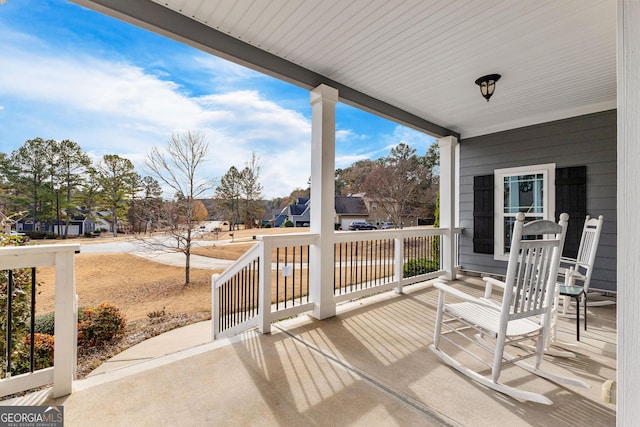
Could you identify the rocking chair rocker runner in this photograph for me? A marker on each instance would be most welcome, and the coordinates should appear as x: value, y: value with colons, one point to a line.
x: 522, y: 315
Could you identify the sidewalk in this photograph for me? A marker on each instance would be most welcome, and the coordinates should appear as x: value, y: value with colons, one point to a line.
x: 176, y: 259
x: 164, y: 344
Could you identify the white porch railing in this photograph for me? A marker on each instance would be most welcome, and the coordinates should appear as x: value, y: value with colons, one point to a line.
x: 274, y: 273
x: 66, y: 316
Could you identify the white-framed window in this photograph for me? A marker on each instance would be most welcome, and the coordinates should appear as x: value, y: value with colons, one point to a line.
x: 526, y: 189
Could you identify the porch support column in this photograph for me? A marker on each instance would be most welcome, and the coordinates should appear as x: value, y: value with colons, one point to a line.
x: 628, y: 54
x: 448, y: 149
x: 323, y: 149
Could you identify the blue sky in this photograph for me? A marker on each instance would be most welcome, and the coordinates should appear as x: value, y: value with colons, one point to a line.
x: 70, y: 73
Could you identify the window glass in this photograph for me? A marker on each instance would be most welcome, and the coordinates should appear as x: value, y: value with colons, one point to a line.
x: 528, y: 190
x: 524, y: 193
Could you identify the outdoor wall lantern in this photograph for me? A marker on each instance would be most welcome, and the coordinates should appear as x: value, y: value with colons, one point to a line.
x: 488, y: 84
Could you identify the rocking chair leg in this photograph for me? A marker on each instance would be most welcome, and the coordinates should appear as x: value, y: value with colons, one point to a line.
x: 585, y: 311
x: 577, y: 318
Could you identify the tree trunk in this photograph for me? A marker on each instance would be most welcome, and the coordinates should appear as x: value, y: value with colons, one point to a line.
x: 187, y: 267
x: 114, y: 223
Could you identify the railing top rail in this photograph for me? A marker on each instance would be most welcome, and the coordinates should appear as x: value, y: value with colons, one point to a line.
x: 349, y: 236
x: 33, y: 256
x: 19, y: 250
x: 239, y: 264
x: 280, y: 240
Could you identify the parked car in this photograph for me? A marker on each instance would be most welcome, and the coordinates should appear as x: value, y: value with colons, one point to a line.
x: 387, y: 225
x: 361, y: 225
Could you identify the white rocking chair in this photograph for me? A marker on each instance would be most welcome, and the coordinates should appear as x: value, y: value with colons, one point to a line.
x: 577, y: 272
x: 522, y: 315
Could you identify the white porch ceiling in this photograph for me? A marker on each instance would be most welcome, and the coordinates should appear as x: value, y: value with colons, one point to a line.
x: 557, y: 58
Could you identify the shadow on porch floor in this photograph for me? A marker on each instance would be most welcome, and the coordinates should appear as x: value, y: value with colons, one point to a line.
x: 369, y: 365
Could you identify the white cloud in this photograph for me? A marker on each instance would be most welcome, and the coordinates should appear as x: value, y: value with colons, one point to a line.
x: 418, y: 140
x: 347, y: 160
x: 114, y: 107
x: 223, y: 72
x: 349, y: 135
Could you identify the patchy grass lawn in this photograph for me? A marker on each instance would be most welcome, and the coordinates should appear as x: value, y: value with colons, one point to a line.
x: 136, y: 285
x: 151, y: 295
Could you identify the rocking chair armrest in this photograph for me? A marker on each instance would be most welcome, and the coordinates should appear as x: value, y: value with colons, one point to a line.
x: 571, y: 276
x: 572, y: 262
x: 464, y: 296
x: 490, y: 281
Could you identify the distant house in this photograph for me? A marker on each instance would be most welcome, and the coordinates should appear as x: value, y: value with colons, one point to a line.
x: 299, y: 213
x: 26, y: 224
x: 379, y: 210
x: 78, y: 225
x: 349, y: 209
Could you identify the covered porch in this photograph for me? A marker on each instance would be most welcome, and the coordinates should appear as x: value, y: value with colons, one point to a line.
x: 371, y: 363
x: 368, y: 365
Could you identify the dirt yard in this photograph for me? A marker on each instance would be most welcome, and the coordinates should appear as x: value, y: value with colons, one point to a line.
x: 136, y: 285
x: 140, y: 286
x: 151, y: 295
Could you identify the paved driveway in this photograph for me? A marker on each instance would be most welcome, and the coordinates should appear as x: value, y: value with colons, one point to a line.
x: 169, y: 256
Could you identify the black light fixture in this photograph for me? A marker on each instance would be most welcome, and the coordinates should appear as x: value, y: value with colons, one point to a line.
x: 488, y: 84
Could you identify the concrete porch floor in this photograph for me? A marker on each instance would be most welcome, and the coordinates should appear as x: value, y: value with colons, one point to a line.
x: 369, y: 365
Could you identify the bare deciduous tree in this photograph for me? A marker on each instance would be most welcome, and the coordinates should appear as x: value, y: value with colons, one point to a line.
x: 397, y: 182
x: 177, y: 168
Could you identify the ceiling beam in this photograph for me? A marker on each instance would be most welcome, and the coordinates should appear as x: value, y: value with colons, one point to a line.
x: 162, y: 20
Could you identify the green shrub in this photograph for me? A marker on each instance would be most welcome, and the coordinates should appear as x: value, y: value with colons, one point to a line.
x: 100, y: 325
x: 416, y: 267
x: 435, y: 245
x: 44, y: 345
x: 21, y: 311
x: 43, y: 353
x: 287, y: 223
x: 45, y: 323
x: 41, y: 235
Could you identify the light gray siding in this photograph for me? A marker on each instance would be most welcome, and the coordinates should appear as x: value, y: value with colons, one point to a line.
x: 586, y: 140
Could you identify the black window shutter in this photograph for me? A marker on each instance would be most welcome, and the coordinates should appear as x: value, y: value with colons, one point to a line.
x: 571, y: 197
x: 483, y: 214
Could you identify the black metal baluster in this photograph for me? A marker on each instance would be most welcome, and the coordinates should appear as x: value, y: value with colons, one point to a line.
x: 256, y: 295
x: 286, y: 284
x: 9, y: 319
x: 277, y: 278
x: 245, y: 291
x: 339, y: 270
x: 369, y: 258
x: 293, y: 276
x: 32, y: 360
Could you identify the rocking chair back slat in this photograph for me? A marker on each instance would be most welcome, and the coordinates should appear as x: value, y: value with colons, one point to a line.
x: 589, y: 241
x: 529, y: 271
